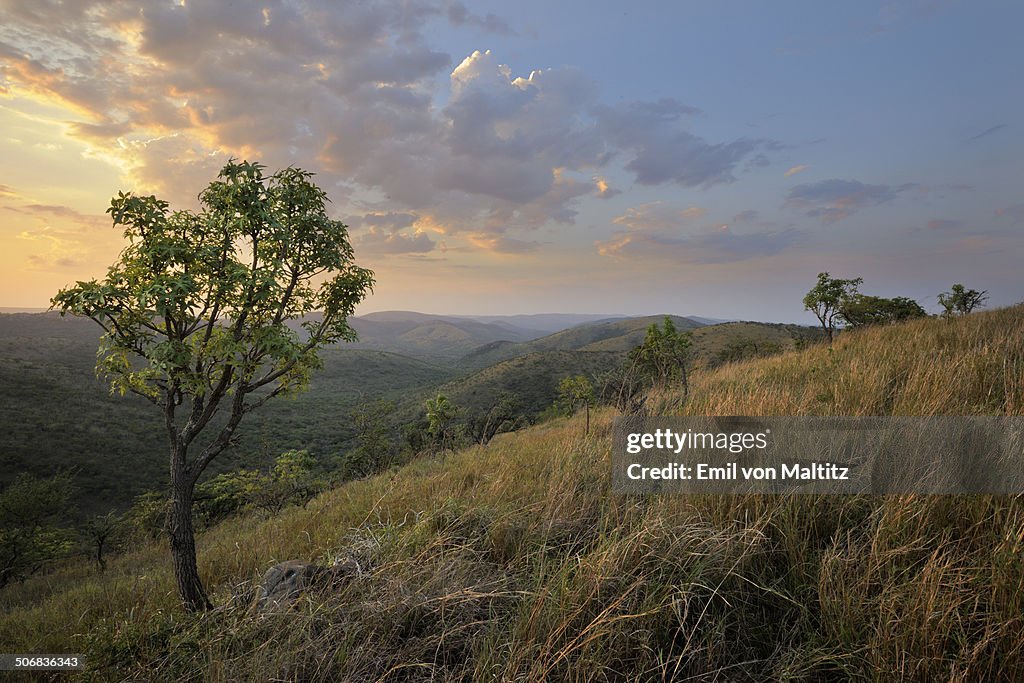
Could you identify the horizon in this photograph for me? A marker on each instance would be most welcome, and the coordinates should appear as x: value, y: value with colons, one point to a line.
x: 712, y: 161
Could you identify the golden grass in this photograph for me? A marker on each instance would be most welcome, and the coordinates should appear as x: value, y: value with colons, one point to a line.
x: 514, y: 562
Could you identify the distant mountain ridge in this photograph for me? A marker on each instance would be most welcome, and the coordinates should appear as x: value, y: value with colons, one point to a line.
x: 618, y: 335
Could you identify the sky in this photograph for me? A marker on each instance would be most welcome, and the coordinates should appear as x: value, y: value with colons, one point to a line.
x: 696, y: 158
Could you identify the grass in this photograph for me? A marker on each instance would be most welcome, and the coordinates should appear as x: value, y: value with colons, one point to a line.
x: 514, y: 562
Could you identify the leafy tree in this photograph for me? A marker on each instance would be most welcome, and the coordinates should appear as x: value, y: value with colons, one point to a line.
x: 146, y: 519
x: 827, y: 298
x: 227, y: 493
x: 505, y: 415
x: 624, y: 388
x: 573, y: 391
x: 196, y: 310
x: 292, y: 480
x: 742, y: 349
x: 99, y: 531
x: 441, y: 414
x: 376, y: 448
x: 664, y: 355
x: 961, y: 301
x: 31, y: 536
x: 861, y: 310
x: 416, y: 435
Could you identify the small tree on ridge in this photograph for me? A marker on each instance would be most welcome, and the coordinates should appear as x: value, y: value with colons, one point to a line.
x: 826, y: 300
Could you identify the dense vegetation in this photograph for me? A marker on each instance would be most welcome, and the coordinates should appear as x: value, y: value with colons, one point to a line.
x: 57, y: 414
x: 513, y: 561
x: 115, y: 444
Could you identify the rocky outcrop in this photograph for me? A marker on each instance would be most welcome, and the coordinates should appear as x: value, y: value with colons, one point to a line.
x: 286, y: 581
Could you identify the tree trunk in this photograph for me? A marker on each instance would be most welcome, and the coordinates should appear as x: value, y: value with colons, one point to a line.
x: 183, y: 545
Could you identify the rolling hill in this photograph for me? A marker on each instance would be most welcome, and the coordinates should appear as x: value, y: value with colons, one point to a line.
x: 514, y: 561
x: 56, y: 414
x: 442, y: 339
x: 614, y: 335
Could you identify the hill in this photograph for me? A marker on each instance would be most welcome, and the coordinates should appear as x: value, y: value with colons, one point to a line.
x: 57, y: 414
x: 532, y: 371
x: 616, y: 335
x: 532, y: 379
x: 439, y: 339
x: 514, y: 561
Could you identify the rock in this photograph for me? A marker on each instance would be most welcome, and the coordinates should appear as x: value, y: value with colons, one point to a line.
x: 284, y: 582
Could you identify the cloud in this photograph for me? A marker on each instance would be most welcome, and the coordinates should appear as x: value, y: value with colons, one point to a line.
x: 604, y: 190
x: 59, y: 248
x: 390, y: 220
x: 796, y: 169
x: 169, y: 91
x: 719, y: 245
x: 662, y: 151
x: 657, y: 231
x: 748, y: 216
x: 41, y: 211
x: 381, y: 233
x: 833, y: 200
x: 502, y: 245
x: 458, y: 15
x: 657, y: 216
x: 379, y: 241
x: 990, y: 131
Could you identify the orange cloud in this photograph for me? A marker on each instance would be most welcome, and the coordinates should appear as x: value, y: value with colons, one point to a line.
x: 799, y: 168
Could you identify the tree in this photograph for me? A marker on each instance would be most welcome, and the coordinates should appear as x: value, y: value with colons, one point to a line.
x: 146, y: 520
x: 572, y: 391
x: 961, y: 301
x: 664, y: 354
x: 826, y: 299
x: 376, y: 448
x: 31, y: 536
x: 196, y: 313
x: 291, y: 480
x: 99, y: 531
x: 441, y: 414
x: 225, y: 494
x: 505, y: 415
x: 861, y: 310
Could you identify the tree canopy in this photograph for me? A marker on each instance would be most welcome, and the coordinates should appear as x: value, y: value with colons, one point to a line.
x: 663, y: 356
x: 827, y: 298
x: 861, y: 310
x: 961, y: 300
x: 210, y: 314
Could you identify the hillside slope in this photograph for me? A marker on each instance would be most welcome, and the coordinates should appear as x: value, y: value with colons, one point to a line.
x: 514, y: 562
x: 432, y: 337
x: 626, y: 333
x: 56, y: 414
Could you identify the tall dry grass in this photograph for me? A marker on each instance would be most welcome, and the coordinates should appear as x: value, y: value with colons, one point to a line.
x: 514, y: 562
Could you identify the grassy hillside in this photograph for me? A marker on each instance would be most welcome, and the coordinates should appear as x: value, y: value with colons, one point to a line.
x: 533, y: 377
x: 514, y: 562
x: 57, y: 414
